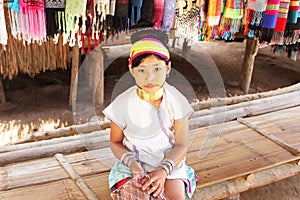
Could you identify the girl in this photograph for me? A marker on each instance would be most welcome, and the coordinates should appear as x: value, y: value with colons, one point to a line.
x: 150, y: 123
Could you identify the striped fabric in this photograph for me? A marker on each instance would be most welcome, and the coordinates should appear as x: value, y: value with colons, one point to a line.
x: 232, y: 18
x: 282, y: 15
x: 293, y: 11
x: 254, y: 16
x: 214, y: 12
x: 271, y: 13
x: 281, y: 22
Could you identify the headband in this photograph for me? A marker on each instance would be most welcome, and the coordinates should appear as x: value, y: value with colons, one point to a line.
x: 148, y: 46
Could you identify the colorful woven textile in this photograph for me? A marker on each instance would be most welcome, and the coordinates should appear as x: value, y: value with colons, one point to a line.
x: 293, y: 11
x: 214, y: 12
x: 74, y: 10
x: 271, y: 13
x: 158, y: 12
x: 254, y: 17
x: 231, y: 20
x: 33, y: 24
x: 3, y: 32
x: 168, y: 15
x: 187, y: 25
x: 281, y: 22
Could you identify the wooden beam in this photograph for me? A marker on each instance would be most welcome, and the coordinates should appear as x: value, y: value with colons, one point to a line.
x: 248, y: 63
x: 74, y: 74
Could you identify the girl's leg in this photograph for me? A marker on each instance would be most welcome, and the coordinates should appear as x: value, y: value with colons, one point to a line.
x: 175, y: 189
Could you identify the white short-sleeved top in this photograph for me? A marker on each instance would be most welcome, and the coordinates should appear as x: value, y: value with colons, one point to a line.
x: 148, y: 132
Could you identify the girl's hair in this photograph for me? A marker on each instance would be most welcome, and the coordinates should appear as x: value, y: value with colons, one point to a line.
x: 149, y: 33
x: 139, y: 59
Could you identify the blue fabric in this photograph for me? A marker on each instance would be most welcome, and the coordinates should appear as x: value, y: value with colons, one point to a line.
x: 15, y: 5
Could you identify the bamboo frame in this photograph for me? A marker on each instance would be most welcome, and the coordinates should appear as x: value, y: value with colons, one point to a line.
x: 75, y: 177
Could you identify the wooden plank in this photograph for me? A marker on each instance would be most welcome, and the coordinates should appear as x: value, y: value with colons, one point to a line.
x: 75, y: 177
x: 269, y: 136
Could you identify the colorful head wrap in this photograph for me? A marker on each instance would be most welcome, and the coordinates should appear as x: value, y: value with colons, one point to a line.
x: 148, y: 46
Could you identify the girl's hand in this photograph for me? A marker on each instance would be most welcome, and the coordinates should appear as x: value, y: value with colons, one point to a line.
x: 136, y: 170
x: 156, y: 181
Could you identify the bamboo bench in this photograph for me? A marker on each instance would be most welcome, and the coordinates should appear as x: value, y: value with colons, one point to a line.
x: 238, y: 160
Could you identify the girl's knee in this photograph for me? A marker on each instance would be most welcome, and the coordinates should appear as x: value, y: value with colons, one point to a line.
x: 175, y: 189
x: 175, y: 196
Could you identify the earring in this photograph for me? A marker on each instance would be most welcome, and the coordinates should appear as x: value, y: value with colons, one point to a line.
x: 168, y: 75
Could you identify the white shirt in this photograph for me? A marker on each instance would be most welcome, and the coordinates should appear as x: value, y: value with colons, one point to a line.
x: 148, y: 132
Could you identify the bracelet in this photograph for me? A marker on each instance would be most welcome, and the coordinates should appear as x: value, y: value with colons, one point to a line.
x: 127, y: 158
x: 165, y: 168
x: 168, y: 165
x: 169, y: 162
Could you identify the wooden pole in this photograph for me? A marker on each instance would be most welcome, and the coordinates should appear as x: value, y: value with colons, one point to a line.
x: 248, y: 63
x: 268, y: 135
x: 74, y: 74
x: 75, y: 177
x: 98, y: 78
x: 2, y: 94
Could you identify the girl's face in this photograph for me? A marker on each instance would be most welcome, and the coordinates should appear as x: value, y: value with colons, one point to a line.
x: 151, y: 73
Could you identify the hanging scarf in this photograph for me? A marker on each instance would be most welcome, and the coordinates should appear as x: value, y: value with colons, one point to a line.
x: 136, y: 8
x: 214, y: 12
x: 293, y: 11
x: 210, y: 19
x: 269, y: 23
x: 168, y: 15
x: 33, y: 25
x: 147, y: 11
x: 15, y: 20
x: 232, y: 18
x: 187, y: 24
x: 158, y: 12
x: 121, y: 15
x: 3, y: 32
x: 75, y: 9
x: 254, y: 17
x: 281, y: 22
x: 55, y: 17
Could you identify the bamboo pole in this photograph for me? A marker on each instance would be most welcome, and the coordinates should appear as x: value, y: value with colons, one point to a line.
x: 66, y: 147
x: 238, y: 185
x: 101, y: 135
x: 248, y: 63
x: 2, y: 94
x: 216, y: 102
x: 66, y: 131
x: 268, y: 135
x: 75, y: 177
x: 74, y: 74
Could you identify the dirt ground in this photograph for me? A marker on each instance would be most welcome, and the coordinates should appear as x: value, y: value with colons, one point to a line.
x: 42, y: 102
